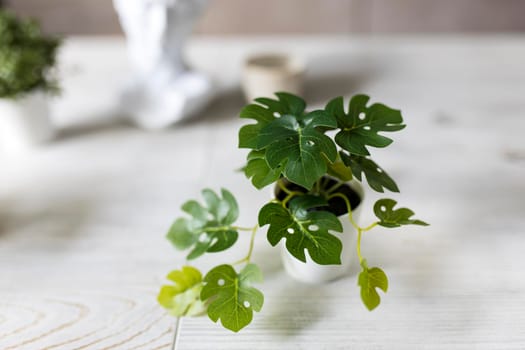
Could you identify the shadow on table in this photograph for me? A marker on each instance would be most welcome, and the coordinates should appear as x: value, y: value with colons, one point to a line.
x: 225, y: 106
x: 46, y: 223
x: 105, y: 122
x: 4, y: 211
x: 292, y: 315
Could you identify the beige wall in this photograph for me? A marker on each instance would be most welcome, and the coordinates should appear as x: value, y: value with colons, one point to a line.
x: 298, y: 16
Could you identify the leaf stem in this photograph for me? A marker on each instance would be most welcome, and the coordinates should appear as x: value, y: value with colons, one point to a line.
x: 358, y: 245
x: 248, y: 256
x: 318, y: 186
x: 348, y: 208
x: 334, y: 187
x: 242, y: 228
x: 287, y: 191
x: 225, y: 228
x: 288, y: 197
x: 359, y: 229
x: 368, y: 228
x: 283, y: 187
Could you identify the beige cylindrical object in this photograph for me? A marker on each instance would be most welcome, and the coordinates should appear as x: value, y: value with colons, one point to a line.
x: 266, y: 74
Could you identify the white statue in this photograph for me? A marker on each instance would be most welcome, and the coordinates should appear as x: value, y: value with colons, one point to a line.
x: 163, y: 89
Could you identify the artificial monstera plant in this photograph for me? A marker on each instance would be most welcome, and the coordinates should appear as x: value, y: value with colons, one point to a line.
x: 26, y: 57
x: 309, y: 156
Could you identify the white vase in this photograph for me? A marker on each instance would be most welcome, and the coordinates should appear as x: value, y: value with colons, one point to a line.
x: 162, y: 89
x: 310, y: 271
x: 24, y: 122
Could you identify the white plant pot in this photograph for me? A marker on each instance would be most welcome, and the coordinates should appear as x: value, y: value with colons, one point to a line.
x: 311, y: 272
x: 24, y: 122
x: 264, y: 75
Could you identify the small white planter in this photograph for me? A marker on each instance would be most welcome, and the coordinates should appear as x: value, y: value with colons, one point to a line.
x: 264, y: 75
x: 24, y: 122
x: 311, y: 272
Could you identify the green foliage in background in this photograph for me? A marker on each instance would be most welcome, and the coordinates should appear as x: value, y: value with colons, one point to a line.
x: 26, y: 57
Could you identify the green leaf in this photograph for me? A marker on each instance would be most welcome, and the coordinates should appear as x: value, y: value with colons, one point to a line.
x: 360, y: 127
x: 232, y: 299
x: 304, y: 229
x: 183, y: 297
x: 369, y: 280
x: 296, y: 143
x: 285, y: 104
x: 377, y: 178
x: 208, y: 229
x: 339, y: 170
x: 27, y: 57
x: 259, y: 171
x: 390, y: 217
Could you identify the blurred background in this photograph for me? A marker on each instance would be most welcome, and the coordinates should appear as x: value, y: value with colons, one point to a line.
x: 241, y: 17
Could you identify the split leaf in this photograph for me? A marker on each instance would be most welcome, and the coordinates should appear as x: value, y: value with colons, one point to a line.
x: 265, y: 112
x: 369, y: 280
x: 390, y: 217
x: 208, y: 229
x: 339, y: 170
x: 232, y: 298
x: 259, y: 171
x: 377, y: 178
x: 183, y: 297
x: 360, y: 127
x: 300, y: 146
x: 304, y: 229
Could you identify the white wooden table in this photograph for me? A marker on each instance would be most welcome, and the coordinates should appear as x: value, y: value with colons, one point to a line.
x: 82, y: 221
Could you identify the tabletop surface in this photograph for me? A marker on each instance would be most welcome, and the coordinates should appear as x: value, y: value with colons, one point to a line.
x: 83, y: 219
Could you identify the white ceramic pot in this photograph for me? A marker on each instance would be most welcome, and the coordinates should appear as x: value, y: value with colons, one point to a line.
x: 24, y: 122
x: 311, y: 272
x: 265, y: 75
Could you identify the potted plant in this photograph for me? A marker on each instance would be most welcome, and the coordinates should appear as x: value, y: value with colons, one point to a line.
x: 316, y: 161
x: 26, y: 59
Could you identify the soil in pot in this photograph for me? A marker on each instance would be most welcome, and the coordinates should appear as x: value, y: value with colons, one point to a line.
x: 335, y: 205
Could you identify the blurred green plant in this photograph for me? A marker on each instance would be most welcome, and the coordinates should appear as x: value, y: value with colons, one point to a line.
x: 26, y: 57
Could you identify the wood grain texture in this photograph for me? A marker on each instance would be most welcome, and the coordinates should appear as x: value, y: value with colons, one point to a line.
x: 82, y: 221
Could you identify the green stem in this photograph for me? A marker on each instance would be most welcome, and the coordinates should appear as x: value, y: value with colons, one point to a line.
x: 324, y: 182
x: 368, y: 228
x: 359, y: 229
x: 289, y: 194
x: 287, y: 191
x: 285, y: 201
x: 358, y: 245
x: 248, y: 256
x: 318, y: 186
x: 242, y: 228
x: 348, y: 208
x: 334, y: 187
x: 226, y: 228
